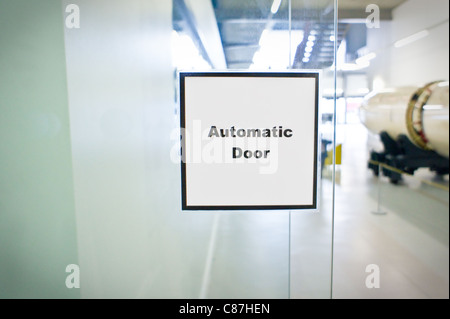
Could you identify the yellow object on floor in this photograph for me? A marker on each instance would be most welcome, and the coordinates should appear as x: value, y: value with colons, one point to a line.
x: 329, y: 159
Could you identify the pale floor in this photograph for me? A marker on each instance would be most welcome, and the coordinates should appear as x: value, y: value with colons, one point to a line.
x: 409, y: 241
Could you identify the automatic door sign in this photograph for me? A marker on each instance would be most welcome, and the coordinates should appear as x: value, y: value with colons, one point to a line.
x: 249, y: 140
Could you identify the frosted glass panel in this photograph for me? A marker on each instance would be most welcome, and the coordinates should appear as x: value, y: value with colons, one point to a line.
x: 131, y: 237
x: 37, y: 214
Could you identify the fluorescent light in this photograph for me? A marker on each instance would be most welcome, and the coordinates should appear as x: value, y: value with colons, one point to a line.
x: 433, y: 107
x: 307, y: 54
x: 305, y: 59
x: 310, y: 44
x: 332, y: 38
x: 185, y: 53
x: 308, y: 49
x: 263, y: 36
x: 366, y: 58
x: 275, y: 6
x: 363, y: 90
x: 387, y: 90
x: 412, y: 38
x: 312, y: 38
x: 272, y: 48
x: 352, y: 66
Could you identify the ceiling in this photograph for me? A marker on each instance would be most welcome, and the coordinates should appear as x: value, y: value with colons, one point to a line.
x: 240, y: 24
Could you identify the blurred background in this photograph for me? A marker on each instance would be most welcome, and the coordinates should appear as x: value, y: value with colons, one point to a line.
x: 90, y: 116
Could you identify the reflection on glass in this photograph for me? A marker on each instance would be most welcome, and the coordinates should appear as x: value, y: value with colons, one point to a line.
x: 275, y: 254
x: 185, y: 54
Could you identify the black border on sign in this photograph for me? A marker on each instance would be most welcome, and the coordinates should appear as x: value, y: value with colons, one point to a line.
x: 183, y: 75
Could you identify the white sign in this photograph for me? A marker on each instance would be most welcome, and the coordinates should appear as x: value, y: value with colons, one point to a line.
x: 249, y: 140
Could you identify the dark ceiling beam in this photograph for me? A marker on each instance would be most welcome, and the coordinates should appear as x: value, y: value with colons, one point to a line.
x: 297, y: 14
x: 301, y: 15
x: 360, y: 15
